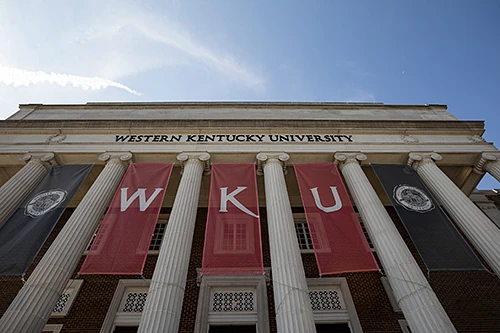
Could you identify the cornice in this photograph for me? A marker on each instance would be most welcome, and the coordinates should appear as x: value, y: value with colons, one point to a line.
x: 354, y: 126
x: 233, y: 104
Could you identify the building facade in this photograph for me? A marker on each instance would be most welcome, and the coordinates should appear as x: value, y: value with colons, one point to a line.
x: 449, y: 155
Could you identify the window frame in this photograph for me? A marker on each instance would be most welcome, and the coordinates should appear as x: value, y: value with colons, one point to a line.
x: 116, y: 318
x: 260, y: 317
x: 74, y: 286
x: 349, y: 315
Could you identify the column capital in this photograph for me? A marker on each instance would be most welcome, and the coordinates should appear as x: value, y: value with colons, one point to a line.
x: 200, y: 157
x: 346, y: 158
x: 263, y: 158
x: 485, y: 158
x: 418, y: 158
x: 47, y: 159
x: 115, y: 157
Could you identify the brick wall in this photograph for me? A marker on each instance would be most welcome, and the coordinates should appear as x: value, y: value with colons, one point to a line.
x: 471, y: 298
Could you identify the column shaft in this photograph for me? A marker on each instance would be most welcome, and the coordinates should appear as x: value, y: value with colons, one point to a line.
x: 478, y: 228
x: 417, y: 300
x: 162, y: 311
x: 23, y: 182
x: 493, y: 168
x: 291, y: 294
x: 34, y: 303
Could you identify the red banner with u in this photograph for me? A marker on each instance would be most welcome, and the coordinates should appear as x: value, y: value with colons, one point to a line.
x: 232, y: 236
x: 122, y: 242
x: 338, y: 240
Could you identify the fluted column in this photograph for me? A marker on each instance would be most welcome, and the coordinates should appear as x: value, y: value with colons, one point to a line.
x: 291, y: 295
x: 478, y: 228
x: 421, y: 308
x: 23, y: 182
x: 33, y: 305
x: 489, y: 163
x: 162, y: 311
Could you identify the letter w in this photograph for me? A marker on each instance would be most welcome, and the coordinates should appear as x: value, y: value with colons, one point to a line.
x: 141, y: 194
x: 317, y: 200
x: 224, y: 198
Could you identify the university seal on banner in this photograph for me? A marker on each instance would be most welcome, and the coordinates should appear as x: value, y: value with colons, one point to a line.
x: 45, y: 201
x: 412, y: 198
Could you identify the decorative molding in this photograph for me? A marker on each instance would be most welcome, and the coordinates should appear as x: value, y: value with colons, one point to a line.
x: 232, y: 282
x: 263, y: 158
x: 56, y: 138
x: 347, y: 313
x: 46, y: 159
x: 415, y: 159
x: 485, y: 158
x: 202, y: 157
x: 52, y: 328
x: 476, y: 138
x: 409, y: 139
x: 115, y: 157
x: 68, y: 297
x: 342, y: 158
x: 114, y: 307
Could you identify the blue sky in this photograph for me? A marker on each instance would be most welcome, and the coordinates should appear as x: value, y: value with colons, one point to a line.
x: 396, y: 52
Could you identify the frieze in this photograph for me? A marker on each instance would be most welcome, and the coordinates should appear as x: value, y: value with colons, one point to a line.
x: 236, y: 138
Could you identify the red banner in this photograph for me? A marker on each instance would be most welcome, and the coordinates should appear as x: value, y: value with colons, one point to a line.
x: 338, y: 240
x: 122, y: 242
x: 232, y: 236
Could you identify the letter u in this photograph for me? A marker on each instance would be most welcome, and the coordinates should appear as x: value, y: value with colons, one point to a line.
x: 334, y: 208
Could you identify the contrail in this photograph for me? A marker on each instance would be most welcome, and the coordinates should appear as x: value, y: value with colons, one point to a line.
x: 20, y: 77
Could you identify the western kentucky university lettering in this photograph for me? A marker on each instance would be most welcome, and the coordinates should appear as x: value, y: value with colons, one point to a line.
x: 338, y: 240
x: 122, y: 242
x: 232, y: 237
x: 238, y: 138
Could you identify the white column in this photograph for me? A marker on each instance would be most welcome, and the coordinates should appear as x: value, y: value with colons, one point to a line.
x: 291, y: 295
x: 34, y: 303
x: 23, y: 182
x: 489, y: 163
x: 478, y: 228
x: 162, y: 311
x: 421, y: 308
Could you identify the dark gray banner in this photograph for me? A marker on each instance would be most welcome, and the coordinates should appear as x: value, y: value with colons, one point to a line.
x: 24, y: 233
x: 434, y: 235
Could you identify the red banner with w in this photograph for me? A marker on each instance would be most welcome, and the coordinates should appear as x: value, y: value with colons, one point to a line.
x: 338, y: 240
x: 232, y: 236
x: 122, y: 242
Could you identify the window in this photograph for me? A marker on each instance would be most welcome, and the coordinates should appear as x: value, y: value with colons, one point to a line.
x: 158, y: 234
x: 67, y: 298
x: 232, y: 303
x: 156, y: 240
x: 234, y: 237
x: 304, y: 235
x: 332, y: 305
x: 125, y: 310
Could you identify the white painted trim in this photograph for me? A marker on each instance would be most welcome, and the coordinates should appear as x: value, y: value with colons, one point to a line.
x: 232, y: 282
x: 349, y: 315
x: 73, y: 288
x: 113, y: 317
x: 53, y: 328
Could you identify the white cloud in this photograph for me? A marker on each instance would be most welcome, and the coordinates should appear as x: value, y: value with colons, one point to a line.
x: 20, y: 77
x: 140, y: 27
x: 110, y: 40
